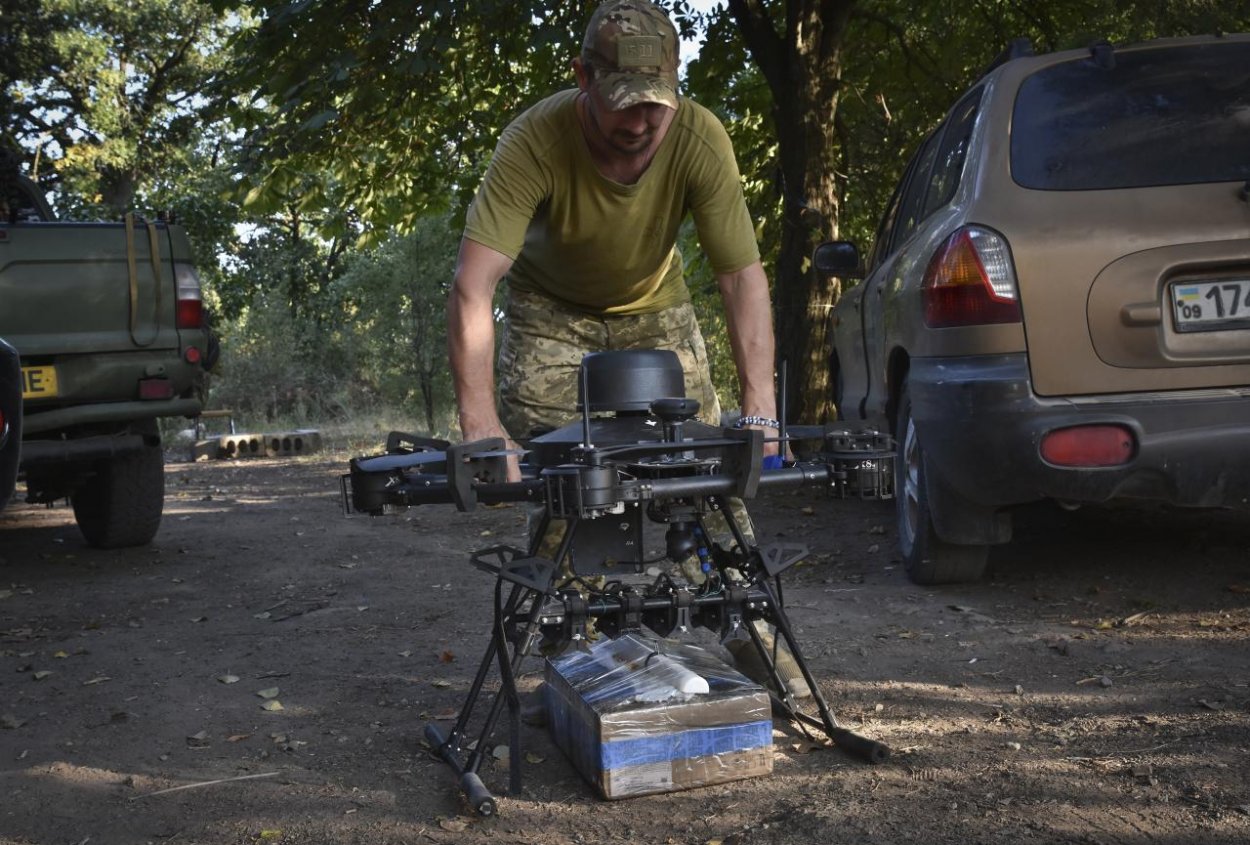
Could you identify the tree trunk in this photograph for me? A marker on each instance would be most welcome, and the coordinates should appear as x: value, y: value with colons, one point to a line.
x: 801, y: 58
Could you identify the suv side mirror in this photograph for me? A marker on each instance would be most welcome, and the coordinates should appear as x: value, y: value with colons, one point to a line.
x: 837, y: 258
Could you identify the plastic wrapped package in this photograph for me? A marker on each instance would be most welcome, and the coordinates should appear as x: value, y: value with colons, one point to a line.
x: 640, y: 715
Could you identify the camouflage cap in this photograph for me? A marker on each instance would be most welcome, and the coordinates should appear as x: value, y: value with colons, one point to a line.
x: 632, y: 47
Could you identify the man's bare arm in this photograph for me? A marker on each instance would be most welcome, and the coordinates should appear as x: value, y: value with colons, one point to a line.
x: 749, y: 317
x: 471, y: 338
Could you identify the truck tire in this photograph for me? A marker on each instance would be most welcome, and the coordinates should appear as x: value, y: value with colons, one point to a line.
x: 927, y: 558
x: 120, y: 504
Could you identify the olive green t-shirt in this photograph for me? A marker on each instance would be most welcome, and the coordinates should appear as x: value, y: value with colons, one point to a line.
x: 598, y: 246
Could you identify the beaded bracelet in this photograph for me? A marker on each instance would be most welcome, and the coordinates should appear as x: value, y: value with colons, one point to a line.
x: 743, y: 422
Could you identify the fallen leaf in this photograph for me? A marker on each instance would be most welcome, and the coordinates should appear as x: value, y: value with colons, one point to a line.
x: 99, y: 679
x: 446, y: 657
x: 454, y: 825
x: 272, y: 705
x: 268, y: 692
x: 268, y: 835
x: 1232, y: 588
x: 261, y: 615
x: 198, y: 740
x: 237, y: 737
x: 10, y: 722
x: 60, y: 655
x: 41, y: 674
x: 440, y: 684
x: 405, y: 653
x: 228, y: 679
x: 200, y: 619
x: 531, y: 757
x: 362, y: 608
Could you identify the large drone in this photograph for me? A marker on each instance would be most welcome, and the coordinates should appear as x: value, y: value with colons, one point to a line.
x: 636, y: 456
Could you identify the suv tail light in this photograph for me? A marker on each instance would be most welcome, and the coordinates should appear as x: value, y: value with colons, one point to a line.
x: 190, y: 313
x: 1102, y: 445
x: 971, y: 281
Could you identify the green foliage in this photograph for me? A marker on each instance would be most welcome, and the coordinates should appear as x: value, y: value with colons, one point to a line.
x: 394, y: 297
x: 278, y: 367
x: 111, y: 90
x: 316, y: 340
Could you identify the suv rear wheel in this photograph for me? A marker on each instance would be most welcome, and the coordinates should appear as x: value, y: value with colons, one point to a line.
x: 927, y: 558
x: 120, y: 504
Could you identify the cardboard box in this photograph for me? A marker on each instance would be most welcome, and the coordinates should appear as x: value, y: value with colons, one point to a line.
x: 629, y: 714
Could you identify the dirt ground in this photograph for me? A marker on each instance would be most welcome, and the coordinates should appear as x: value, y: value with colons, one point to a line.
x: 1094, y: 689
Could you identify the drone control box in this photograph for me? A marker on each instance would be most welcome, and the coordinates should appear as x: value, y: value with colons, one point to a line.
x: 639, y: 715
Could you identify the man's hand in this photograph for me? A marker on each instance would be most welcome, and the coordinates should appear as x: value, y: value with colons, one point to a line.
x: 497, y: 430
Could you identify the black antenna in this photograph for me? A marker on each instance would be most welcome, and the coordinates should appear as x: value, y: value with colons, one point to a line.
x: 585, y: 407
x: 781, y: 413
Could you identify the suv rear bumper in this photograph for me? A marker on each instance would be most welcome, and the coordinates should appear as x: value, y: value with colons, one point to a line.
x: 981, y: 425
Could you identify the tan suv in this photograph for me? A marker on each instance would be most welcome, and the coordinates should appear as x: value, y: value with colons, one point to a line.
x: 1057, y: 305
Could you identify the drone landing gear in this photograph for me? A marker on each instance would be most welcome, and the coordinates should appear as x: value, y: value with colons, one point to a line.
x: 743, y: 586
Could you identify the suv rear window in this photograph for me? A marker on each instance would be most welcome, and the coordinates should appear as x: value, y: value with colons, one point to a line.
x: 1162, y: 116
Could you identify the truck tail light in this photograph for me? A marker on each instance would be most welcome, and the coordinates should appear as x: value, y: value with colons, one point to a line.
x: 190, y: 307
x: 1089, y: 446
x: 970, y: 281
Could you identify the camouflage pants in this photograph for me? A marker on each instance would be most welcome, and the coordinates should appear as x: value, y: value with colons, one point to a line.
x: 543, y: 345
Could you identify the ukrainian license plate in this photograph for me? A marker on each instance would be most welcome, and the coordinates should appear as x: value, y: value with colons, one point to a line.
x: 38, y: 382
x: 1211, y: 306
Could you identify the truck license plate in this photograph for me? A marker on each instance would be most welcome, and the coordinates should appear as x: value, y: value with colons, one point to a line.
x: 1211, y: 306
x: 39, y: 382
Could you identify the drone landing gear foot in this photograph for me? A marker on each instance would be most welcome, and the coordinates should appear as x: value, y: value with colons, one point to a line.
x: 479, y: 797
x: 852, y: 743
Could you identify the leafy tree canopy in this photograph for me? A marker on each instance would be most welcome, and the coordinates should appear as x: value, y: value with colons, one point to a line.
x: 111, y: 91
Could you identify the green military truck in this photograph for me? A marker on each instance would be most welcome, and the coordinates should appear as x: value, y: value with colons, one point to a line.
x: 109, y: 325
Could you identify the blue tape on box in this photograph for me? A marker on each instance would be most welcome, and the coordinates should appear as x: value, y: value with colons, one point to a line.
x: 698, y: 742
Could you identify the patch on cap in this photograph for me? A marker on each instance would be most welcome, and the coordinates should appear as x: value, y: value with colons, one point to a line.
x: 632, y: 47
